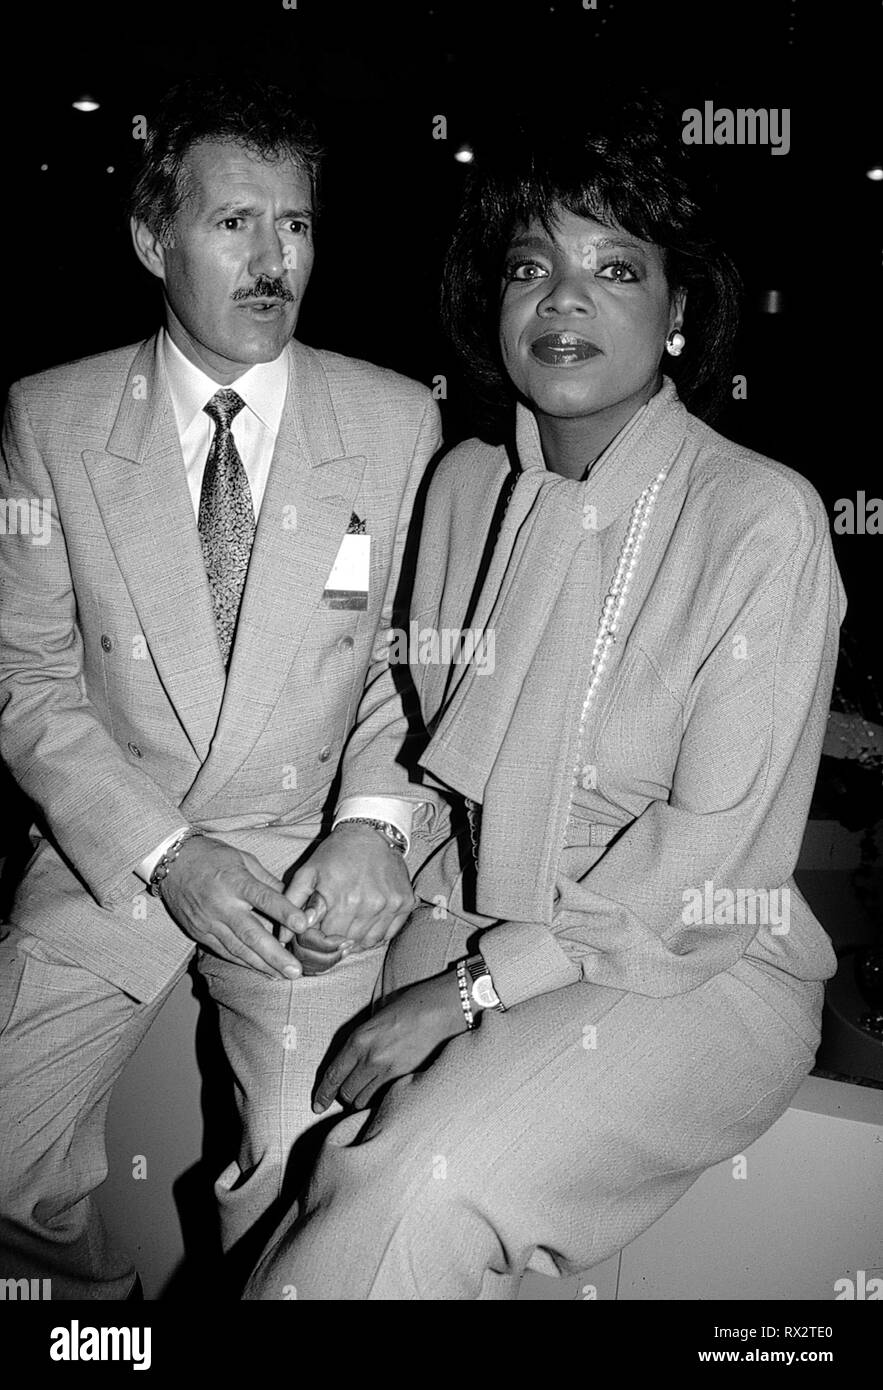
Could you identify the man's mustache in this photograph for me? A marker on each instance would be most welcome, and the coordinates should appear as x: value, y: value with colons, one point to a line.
x: 266, y: 289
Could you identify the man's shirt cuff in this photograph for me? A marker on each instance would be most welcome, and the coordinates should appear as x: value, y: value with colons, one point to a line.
x: 150, y: 861
x: 393, y: 809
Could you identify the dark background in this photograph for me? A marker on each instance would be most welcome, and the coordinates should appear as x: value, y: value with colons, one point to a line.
x: 807, y: 224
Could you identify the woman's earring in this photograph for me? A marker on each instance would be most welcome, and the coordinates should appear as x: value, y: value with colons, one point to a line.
x: 674, y: 343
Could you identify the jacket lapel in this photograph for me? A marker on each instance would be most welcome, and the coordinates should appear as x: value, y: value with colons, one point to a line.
x: 304, y: 516
x: 141, y: 490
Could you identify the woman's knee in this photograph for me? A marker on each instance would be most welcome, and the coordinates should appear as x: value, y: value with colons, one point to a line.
x: 416, y: 1156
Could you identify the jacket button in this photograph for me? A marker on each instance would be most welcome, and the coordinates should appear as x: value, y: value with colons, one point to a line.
x: 106, y: 644
x: 325, y: 753
x: 345, y: 645
x: 134, y: 750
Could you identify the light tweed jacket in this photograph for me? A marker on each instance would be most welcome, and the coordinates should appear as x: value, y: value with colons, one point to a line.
x: 115, y: 716
x: 695, y: 769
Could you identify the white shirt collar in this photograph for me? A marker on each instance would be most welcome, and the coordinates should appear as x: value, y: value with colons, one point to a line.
x: 262, y: 387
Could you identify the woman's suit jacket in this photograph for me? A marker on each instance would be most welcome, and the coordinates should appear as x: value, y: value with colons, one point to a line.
x: 695, y: 771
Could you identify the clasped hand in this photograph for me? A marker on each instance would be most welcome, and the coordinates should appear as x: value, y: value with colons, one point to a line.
x: 353, y: 883
x: 357, y: 887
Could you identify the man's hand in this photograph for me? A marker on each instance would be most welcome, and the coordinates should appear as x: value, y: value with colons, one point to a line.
x: 396, y: 1041
x: 315, y: 951
x: 363, y: 883
x: 213, y: 891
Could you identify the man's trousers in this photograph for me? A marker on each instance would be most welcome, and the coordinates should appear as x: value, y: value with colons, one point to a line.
x: 65, y: 1037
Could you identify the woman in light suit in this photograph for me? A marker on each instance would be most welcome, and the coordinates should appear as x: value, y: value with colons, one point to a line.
x: 613, y: 982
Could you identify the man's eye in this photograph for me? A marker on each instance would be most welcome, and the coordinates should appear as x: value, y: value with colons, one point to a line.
x: 299, y: 228
x: 231, y: 224
x: 523, y: 270
x: 622, y: 272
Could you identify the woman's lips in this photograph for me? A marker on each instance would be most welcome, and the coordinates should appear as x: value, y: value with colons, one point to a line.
x: 563, y: 349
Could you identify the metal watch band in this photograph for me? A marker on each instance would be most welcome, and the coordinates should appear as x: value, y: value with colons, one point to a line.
x: 394, y: 837
x: 476, y: 966
x: 478, y: 970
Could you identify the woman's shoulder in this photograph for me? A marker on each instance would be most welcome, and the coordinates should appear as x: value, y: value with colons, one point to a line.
x: 461, y: 458
x: 467, y: 470
x: 762, y: 500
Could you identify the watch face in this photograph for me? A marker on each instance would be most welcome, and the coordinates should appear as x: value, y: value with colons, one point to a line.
x: 483, y: 992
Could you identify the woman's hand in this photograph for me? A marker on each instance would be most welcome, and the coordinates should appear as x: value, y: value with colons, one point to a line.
x: 396, y: 1041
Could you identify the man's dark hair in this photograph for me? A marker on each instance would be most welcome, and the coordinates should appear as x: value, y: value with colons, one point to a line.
x: 261, y: 118
x: 630, y: 171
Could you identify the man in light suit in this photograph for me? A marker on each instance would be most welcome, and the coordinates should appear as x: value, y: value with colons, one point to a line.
x: 192, y: 677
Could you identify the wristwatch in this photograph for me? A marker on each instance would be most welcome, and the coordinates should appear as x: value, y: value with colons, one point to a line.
x: 395, y: 838
x: 483, y: 992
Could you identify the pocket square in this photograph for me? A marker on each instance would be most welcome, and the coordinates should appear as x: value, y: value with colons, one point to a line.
x: 347, y: 584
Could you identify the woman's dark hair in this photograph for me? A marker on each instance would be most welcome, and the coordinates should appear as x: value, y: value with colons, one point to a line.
x: 261, y: 118
x: 630, y: 170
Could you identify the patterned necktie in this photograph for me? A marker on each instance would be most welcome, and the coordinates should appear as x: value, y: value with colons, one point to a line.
x: 226, y: 518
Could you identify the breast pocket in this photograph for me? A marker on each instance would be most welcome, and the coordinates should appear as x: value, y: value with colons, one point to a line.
x: 633, y: 749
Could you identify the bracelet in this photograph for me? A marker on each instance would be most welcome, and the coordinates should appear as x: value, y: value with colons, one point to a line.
x: 167, y: 859
x: 394, y: 837
x: 464, y: 994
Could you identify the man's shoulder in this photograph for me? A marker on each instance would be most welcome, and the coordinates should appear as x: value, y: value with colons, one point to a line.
x: 85, y: 381
x: 83, y: 370
x: 351, y: 376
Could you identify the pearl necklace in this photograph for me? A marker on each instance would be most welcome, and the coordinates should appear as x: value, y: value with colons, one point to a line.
x: 611, y: 612
x: 613, y: 604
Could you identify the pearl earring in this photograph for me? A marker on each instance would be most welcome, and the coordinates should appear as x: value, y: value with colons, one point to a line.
x: 674, y: 343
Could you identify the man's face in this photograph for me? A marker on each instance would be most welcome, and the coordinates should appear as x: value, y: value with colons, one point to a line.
x: 584, y: 317
x: 240, y: 261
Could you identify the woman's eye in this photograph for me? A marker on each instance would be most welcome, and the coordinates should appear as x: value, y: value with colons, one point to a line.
x: 523, y: 270
x: 621, y: 271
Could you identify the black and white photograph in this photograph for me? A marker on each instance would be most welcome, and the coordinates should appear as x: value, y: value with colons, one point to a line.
x: 441, y: 692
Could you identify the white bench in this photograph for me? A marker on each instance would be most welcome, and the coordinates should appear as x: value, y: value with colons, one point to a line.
x: 808, y: 1212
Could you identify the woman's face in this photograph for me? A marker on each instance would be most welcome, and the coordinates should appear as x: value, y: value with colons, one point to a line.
x: 584, y: 317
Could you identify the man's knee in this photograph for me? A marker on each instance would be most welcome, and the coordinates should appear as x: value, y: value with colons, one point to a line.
x: 30, y: 1186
